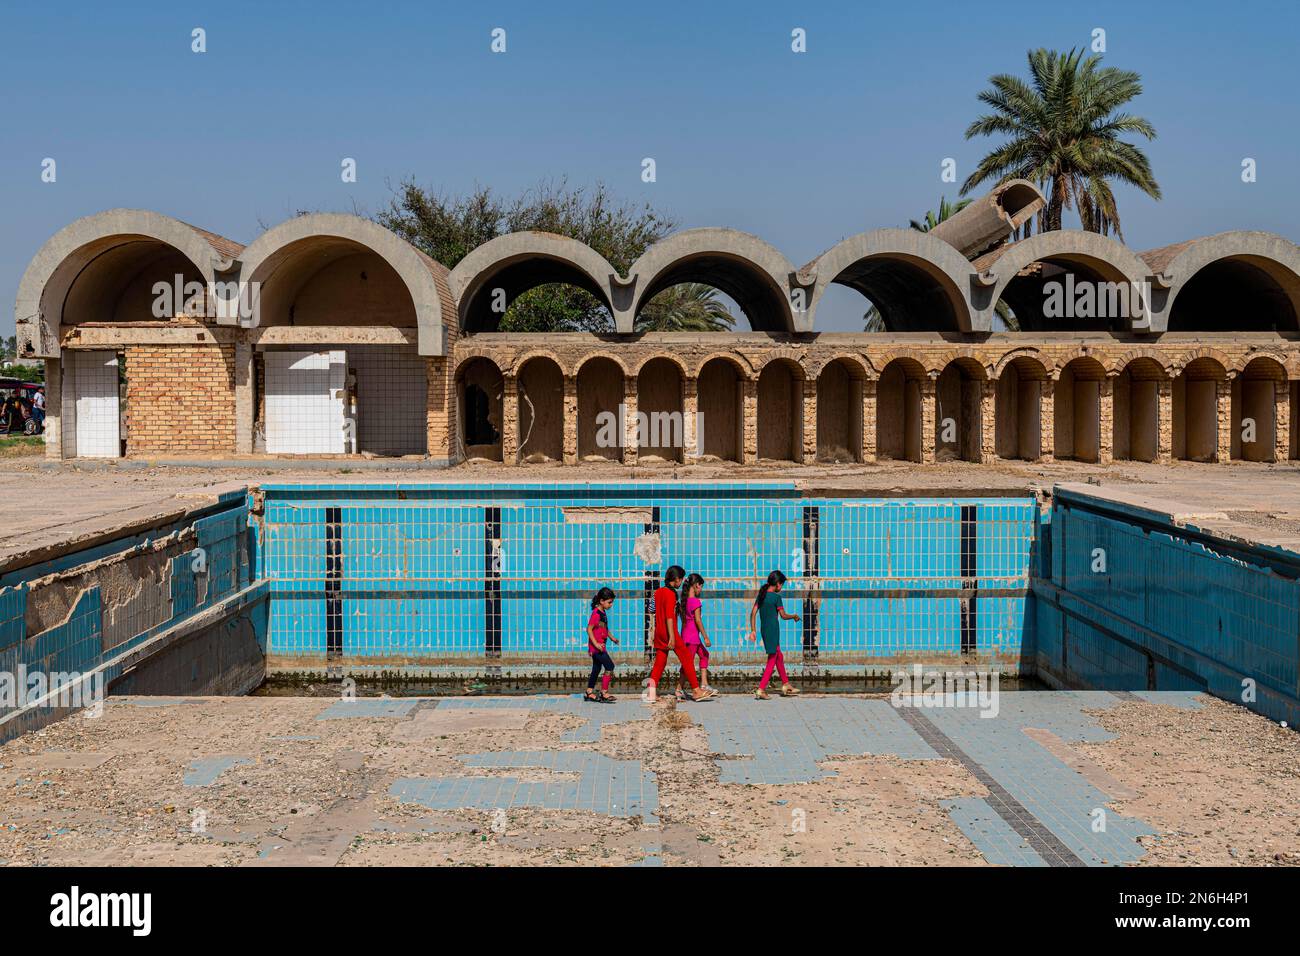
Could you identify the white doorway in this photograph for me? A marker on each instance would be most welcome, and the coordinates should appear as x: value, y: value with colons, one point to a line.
x: 306, y: 403
x: 92, y: 421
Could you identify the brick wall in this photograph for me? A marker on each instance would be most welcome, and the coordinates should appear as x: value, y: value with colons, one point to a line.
x: 440, y: 411
x: 180, y: 399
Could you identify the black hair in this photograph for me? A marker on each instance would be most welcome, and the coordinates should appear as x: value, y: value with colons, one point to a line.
x: 674, y: 573
x: 692, y: 579
x: 773, y: 579
x: 604, y: 594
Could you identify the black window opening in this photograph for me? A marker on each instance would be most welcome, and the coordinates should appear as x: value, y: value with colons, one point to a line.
x: 478, y: 429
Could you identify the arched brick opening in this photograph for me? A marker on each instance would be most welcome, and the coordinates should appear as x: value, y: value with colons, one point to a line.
x: 659, y: 403
x: 1196, y: 410
x: 1018, y: 431
x: 480, y: 388
x: 540, y: 386
x: 1077, y: 409
x: 839, y: 411
x: 600, y: 418
x: 780, y: 411
x: 898, y: 410
x: 958, y: 425
x: 721, y: 392
x: 1254, y: 421
x: 1137, y: 411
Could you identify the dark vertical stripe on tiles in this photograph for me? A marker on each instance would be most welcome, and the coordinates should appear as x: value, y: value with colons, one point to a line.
x: 492, y: 581
x: 969, y: 579
x: 812, y: 552
x: 651, y: 585
x: 333, y: 583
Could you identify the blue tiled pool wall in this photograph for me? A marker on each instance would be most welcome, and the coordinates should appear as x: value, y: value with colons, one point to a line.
x: 1168, y: 612
x: 78, y: 644
x: 412, y: 572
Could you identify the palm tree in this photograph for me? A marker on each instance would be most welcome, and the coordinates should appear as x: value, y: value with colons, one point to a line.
x: 874, y: 320
x: 1064, y: 134
x: 946, y: 211
x: 688, y: 307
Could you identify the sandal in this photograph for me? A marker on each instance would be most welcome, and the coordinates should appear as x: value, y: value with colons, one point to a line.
x: 789, y: 690
x: 591, y: 697
x: 761, y: 694
x: 709, y: 694
x: 605, y: 698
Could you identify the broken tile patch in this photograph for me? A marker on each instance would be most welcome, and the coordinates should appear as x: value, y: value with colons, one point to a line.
x: 368, y: 707
x: 204, y: 771
x: 616, y: 788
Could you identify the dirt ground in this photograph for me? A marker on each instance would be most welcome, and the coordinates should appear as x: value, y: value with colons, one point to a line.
x: 1220, y: 788
x: 1220, y: 784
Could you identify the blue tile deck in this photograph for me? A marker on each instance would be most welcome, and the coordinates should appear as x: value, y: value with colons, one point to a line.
x: 616, y: 788
x: 993, y: 837
x: 368, y: 707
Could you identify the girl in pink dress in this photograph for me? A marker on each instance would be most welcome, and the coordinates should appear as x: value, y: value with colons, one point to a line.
x: 691, y: 611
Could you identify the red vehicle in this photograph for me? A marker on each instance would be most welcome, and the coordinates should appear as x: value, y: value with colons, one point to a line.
x: 19, y: 411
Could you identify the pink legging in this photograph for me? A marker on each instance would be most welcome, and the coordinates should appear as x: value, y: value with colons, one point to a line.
x: 776, y: 660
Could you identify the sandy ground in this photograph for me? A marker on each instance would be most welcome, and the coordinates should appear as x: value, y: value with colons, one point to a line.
x: 1220, y: 788
x: 1222, y: 785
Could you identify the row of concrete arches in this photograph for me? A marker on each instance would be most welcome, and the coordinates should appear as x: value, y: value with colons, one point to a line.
x: 841, y: 410
x: 336, y: 269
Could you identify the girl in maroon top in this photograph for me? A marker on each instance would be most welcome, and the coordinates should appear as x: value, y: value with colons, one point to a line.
x: 598, y: 637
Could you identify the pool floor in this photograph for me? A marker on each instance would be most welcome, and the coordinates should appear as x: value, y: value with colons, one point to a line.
x: 1055, y: 778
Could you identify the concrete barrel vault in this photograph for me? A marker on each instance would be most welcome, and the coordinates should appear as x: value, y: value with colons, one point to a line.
x: 751, y: 271
x: 95, y: 249
x: 519, y: 261
x: 1263, y: 266
x: 282, y: 258
x: 1099, y: 257
x: 911, y: 276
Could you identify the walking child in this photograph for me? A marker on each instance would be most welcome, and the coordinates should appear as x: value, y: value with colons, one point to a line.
x: 598, y: 638
x: 694, y: 636
x: 667, y: 638
x: 771, y: 611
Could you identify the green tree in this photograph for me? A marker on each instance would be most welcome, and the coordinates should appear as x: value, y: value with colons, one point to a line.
x: 447, y: 228
x: 1064, y: 133
x: 946, y: 211
x: 688, y: 307
x: 874, y: 320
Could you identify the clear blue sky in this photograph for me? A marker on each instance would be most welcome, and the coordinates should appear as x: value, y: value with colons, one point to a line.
x: 799, y: 149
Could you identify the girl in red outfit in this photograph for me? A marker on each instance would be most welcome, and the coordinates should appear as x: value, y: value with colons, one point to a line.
x: 666, y: 638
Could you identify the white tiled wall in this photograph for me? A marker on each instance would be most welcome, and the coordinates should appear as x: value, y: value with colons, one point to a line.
x: 91, y: 423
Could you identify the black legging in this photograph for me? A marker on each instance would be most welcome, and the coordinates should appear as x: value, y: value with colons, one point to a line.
x: 598, y: 660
